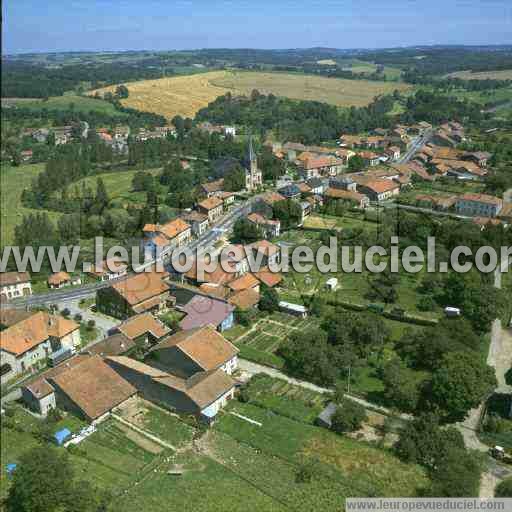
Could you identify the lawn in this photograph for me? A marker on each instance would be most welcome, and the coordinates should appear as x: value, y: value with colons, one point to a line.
x: 505, y: 74
x: 13, y: 180
x: 185, y: 95
x: 78, y: 103
x: 358, y: 469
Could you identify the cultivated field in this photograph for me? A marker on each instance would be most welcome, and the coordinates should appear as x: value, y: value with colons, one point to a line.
x: 505, y: 74
x: 185, y: 95
x: 340, y: 92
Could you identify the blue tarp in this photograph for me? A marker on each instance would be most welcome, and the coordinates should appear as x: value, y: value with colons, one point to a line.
x: 11, y: 468
x: 62, y: 435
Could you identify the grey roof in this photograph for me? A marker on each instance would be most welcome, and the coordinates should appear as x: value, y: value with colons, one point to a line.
x: 326, y: 415
x: 289, y: 190
x: 315, y: 182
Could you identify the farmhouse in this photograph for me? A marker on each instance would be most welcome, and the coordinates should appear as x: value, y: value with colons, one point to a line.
x: 203, y: 394
x: 359, y: 200
x: 85, y: 385
x: 479, y: 205
x: 212, y: 208
x: 195, y: 350
x: 143, y: 292
x: 29, y: 342
x: 15, y: 284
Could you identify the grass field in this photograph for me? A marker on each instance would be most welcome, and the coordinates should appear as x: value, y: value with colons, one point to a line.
x: 505, y: 74
x: 13, y: 180
x: 79, y: 103
x: 185, y: 95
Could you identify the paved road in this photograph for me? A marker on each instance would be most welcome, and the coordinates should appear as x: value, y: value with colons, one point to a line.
x: 416, y: 145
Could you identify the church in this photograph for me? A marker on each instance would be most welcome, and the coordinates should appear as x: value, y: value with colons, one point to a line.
x: 253, y: 175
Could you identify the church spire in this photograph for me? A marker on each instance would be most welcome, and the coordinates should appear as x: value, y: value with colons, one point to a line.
x: 252, y: 154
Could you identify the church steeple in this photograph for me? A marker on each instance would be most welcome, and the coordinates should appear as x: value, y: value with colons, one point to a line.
x: 252, y: 159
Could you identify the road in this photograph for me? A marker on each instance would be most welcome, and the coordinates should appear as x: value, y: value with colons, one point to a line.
x: 416, y: 145
x: 199, y: 244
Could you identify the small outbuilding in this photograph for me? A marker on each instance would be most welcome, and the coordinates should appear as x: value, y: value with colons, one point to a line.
x: 331, y: 284
x: 62, y: 435
x: 293, y: 309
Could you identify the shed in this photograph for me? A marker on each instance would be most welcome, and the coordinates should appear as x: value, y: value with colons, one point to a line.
x: 293, y: 309
x: 332, y: 283
x: 10, y: 468
x: 62, y: 435
x: 324, y: 419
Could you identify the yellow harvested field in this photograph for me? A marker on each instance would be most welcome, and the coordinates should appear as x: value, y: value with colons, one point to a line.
x: 326, y: 62
x: 505, y: 74
x: 185, y: 95
x: 337, y: 91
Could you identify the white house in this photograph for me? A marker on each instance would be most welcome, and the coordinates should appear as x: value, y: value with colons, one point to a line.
x: 15, y: 284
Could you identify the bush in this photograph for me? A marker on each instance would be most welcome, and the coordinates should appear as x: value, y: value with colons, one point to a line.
x: 91, y: 324
x: 349, y: 417
x: 426, y: 303
x: 504, y: 489
x: 78, y: 317
x: 65, y: 312
x: 54, y: 416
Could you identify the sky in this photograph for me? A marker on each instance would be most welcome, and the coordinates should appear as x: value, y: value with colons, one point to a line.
x: 117, y: 25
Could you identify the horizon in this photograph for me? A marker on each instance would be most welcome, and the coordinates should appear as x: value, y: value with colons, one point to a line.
x: 126, y: 26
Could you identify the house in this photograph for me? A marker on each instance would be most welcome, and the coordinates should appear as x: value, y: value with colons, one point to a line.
x: 393, y: 152
x: 479, y: 157
x: 304, y: 188
x: 343, y: 183
x: 26, y: 155
x: 14, y: 284
x: 370, y: 158
x: 59, y: 280
x: 268, y: 278
x: 378, y: 189
x: 236, y: 257
x: 201, y: 311
x: 198, y: 222
x: 317, y: 185
x: 89, y: 388
x: 245, y: 299
x: 140, y: 293
x: 306, y: 209
x: 270, y: 228
x: 314, y: 166
x: 228, y: 198
x: 143, y: 329
x: 442, y: 203
x: 292, y: 148
x: 28, y: 343
x: 265, y: 253
x: 345, y: 155
x: 171, y: 235
x: 359, y: 200
x: 204, y: 394
x: 245, y: 282
x: 211, y: 188
x: 212, y: 207
x: 201, y: 349
x: 121, y: 132
x: 114, y: 345
x: 291, y: 191
x: 478, y: 205
x: 109, y: 269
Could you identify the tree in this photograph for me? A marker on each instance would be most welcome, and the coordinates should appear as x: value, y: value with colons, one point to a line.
x: 401, y: 385
x: 69, y: 227
x: 356, y: 163
x: 269, y: 300
x: 246, y: 232
x: 101, y: 200
x: 504, y: 489
x: 457, y: 475
x: 348, y: 417
x: 288, y: 212
x: 461, y: 383
x: 44, y: 482
x: 122, y: 92
x: 234, y: 180
x: 424, y: 442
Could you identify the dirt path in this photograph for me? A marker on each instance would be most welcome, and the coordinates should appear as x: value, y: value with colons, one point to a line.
x: 140, y: 440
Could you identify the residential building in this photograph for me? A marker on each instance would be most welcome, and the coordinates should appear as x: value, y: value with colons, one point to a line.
x: 28, y: 343
x: 171, y: 235
x: 393, y: 152
x: 109, y: 269
x: 245, y: 299
x: 211, y: 188
x: 85, y: 386
x: 481, y: 158
x: 144, y: 329
x: 478, y: 205
x: 370, y: 158
x: 343, y: 183
x: 228, y: 198
x: 291, y: 191
x: 359, y: 200
x: 268, y: 278
x: 204, y: 394
x: 270, y: 228
x: 198, y: 221
x: 212, y: 207
x: 378, y: 189
x: 265, y: 253
x: 201, y: 311
x: 59, y: 280
x: 244, y: 282
x: 317, y: 185
x: 114, y: 345
x: 201, y: 349
x: 140, y: 293
x: 14, y: 284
